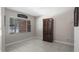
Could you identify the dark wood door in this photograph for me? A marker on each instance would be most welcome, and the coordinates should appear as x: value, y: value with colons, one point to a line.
x: 48, y: 30
x: 28, y: 26
x: 22, y: 26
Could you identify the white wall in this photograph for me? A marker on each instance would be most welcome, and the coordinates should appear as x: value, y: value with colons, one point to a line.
x: 0, y: 29
x: 18, y: 36
x: 63, y: 27
x: 76, y: 39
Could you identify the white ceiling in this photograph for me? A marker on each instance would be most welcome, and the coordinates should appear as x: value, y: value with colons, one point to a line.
x: 41, y: 11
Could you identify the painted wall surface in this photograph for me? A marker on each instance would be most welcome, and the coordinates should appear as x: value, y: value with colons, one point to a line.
x: 0, y: 29
x: 76, y: 39
x: 3, y: 28
x: 63, y: 27
x: 18, y: 36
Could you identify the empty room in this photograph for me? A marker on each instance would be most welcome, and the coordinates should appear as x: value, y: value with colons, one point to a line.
x: 38, y: 29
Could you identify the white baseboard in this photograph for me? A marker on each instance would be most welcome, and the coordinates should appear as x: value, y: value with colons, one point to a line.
x: 66, y: 43
x: 18, y: 41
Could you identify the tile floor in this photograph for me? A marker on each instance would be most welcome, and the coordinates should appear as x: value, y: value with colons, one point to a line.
x: 37, y: 45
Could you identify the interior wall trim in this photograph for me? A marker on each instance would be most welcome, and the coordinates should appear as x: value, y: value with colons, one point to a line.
x: 40, y: 37
x: 18, y: 41
x: 66, y: 43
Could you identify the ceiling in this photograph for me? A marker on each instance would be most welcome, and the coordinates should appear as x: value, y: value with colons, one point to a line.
x: 41, y: 11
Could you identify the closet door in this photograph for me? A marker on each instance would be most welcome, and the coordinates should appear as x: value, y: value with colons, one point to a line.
x: 48, y: 30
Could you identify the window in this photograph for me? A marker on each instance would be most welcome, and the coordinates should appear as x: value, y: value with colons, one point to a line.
x: 19, y: 25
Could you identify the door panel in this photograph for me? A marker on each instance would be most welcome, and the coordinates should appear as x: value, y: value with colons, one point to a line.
x: 48, y: 30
